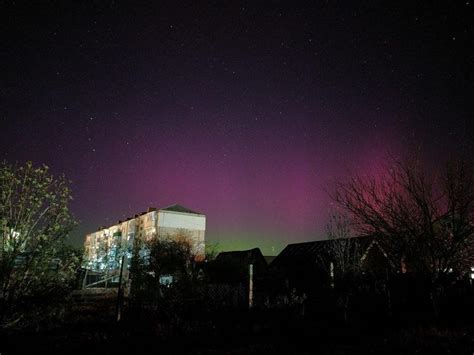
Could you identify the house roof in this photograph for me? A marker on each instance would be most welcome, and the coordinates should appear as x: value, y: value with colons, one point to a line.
x: 178, y: 208
x: 243, y: 257
x: 300, y: 253
x: 310, y: 252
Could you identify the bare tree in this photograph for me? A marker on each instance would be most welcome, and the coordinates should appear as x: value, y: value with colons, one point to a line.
x: 345, y: 256
x: 424, y: 221
x: 345, y: 250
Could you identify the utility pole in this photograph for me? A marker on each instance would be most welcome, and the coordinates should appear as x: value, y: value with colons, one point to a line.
x: 120, y: 292
x: 84, y: 281
x: 250, y: 286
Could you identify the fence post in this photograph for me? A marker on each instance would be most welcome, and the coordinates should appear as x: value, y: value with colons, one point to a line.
x: 250, y: 285
x: 331, y: 270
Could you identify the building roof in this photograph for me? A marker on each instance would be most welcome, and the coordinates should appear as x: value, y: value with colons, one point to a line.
x: 242, y: 258
x: 172, y: 208
x: 233, y: 266
x: 310, y: 252
x: 178, y: 208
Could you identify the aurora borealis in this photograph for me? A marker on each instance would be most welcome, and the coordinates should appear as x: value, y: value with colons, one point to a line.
x: 245, y: 112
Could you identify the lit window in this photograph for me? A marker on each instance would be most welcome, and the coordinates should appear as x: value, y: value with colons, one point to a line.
x: 166, y: 280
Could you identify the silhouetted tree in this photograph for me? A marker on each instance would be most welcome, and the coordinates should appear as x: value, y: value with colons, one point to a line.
x: 164, y: 267
x: 35, y: 221
x: 345, y: 251
x: 424, y: 221
x: 345, y: 256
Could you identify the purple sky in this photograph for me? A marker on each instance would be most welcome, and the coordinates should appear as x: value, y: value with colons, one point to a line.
x: 245, y: 113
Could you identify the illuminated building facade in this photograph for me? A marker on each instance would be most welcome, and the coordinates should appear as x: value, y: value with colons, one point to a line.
x: 105, y: 247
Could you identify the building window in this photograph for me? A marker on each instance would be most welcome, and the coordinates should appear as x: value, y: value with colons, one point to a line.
x: 166, y: 280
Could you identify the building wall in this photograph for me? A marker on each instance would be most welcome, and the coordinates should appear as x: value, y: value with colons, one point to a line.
x: 196, y: 236
x: 171, y: 219
x: 191, y: 226
x: 145, y: 226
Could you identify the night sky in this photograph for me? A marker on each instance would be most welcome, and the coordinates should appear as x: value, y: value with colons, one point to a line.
x: 245, y: 111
